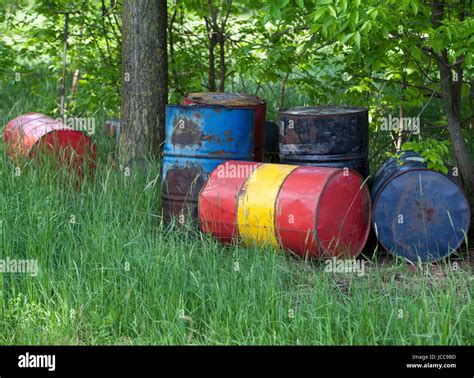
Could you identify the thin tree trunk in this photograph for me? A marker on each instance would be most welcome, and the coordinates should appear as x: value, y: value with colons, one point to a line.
x: 212, y: 65
x: 283, y: 91
x: 471, y: 99
x: 144, y: 79
x: 213, y: 40
x: 401, y: 115
x: 451, y: 86
x: 62, y: 91
x: 75, y: 81
x: 222, y: 60
x: 222, y: 40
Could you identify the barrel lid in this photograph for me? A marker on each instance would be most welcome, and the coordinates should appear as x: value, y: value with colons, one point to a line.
x: 421, y: 214
x: 323, y: 110
x: 224, y: 99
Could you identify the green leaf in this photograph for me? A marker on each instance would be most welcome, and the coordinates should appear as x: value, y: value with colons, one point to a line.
x: 366, y: 25
x: 300, y: 4
x: 357, y: 39
x: 347, y: 37
x: 354, y: 17
x: 319, y: 13
x: 343, y: 5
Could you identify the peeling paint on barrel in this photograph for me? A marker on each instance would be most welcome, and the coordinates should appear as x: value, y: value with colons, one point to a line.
x: 198, y: 138
x: 188, y: 132
x: 182, y: 184
x: 419, y: 214
x: 237, y: 100
x: 334, y: 136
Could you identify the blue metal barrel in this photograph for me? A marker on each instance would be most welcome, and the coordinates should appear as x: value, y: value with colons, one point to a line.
x: 198, y: 139
x: 333, y: 136
x: 419, y: 214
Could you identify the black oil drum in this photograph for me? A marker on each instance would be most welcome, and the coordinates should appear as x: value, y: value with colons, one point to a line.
x: 333, y: 136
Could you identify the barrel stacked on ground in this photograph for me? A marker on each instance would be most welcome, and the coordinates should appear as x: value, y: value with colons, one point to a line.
x: 317, y: 207
x: 310, y: 211
x: 419, y: 214
x: 33, y: 135
x: 330, y: 136
x: 199, y: 138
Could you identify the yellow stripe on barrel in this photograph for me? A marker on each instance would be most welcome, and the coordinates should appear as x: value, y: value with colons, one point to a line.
x: 256, y: 204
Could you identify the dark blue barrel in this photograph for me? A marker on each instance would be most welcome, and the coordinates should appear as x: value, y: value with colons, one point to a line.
x: 198, y: 139
x: 333, y: 136
x: 271, y: 142
x: 419, y: 214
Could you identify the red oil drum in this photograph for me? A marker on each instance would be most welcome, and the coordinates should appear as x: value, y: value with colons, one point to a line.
x: 310, y: 211
x: 31, y: 133
x: 237, y: 100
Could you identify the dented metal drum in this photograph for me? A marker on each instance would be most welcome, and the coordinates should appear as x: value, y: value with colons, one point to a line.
x: 33, y: 134
x: 199, y: 138
x: 237, y: 100
x: 418, y: 214
x: 333, y: 136
x: 310, y: 211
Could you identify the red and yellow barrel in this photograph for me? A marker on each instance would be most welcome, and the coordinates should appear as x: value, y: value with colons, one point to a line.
x: 310, y: 211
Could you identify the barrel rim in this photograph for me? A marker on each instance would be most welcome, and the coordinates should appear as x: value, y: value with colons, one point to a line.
x: 329, y: 158
x: 359, y: 110
x: 463, y: 194
x: 363, y: 188
x: 258, y: 100
x: 215, y: 107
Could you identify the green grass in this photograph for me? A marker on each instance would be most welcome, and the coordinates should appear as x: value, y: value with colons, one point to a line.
x: 182, y: 287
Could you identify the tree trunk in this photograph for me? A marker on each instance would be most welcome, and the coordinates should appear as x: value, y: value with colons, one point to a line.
x: 144, y: 79
x: 451, y: 87
x: 212, y: 33
x: 471, y: 99
x: 212, y: 61
x: 451, y: 91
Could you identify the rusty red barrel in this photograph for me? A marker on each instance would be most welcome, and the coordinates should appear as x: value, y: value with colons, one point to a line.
x: 28, y: 134
x: 237, y: 100
x: 332, y: 136
x: 311, y: 211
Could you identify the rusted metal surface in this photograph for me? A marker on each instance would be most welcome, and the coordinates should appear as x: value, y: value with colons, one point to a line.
x: 33, y: 133
x: 310, y: 211
x: 419, y: 214
x: 237, y: 100
x: 198, y: 138
x: 334, y: 136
